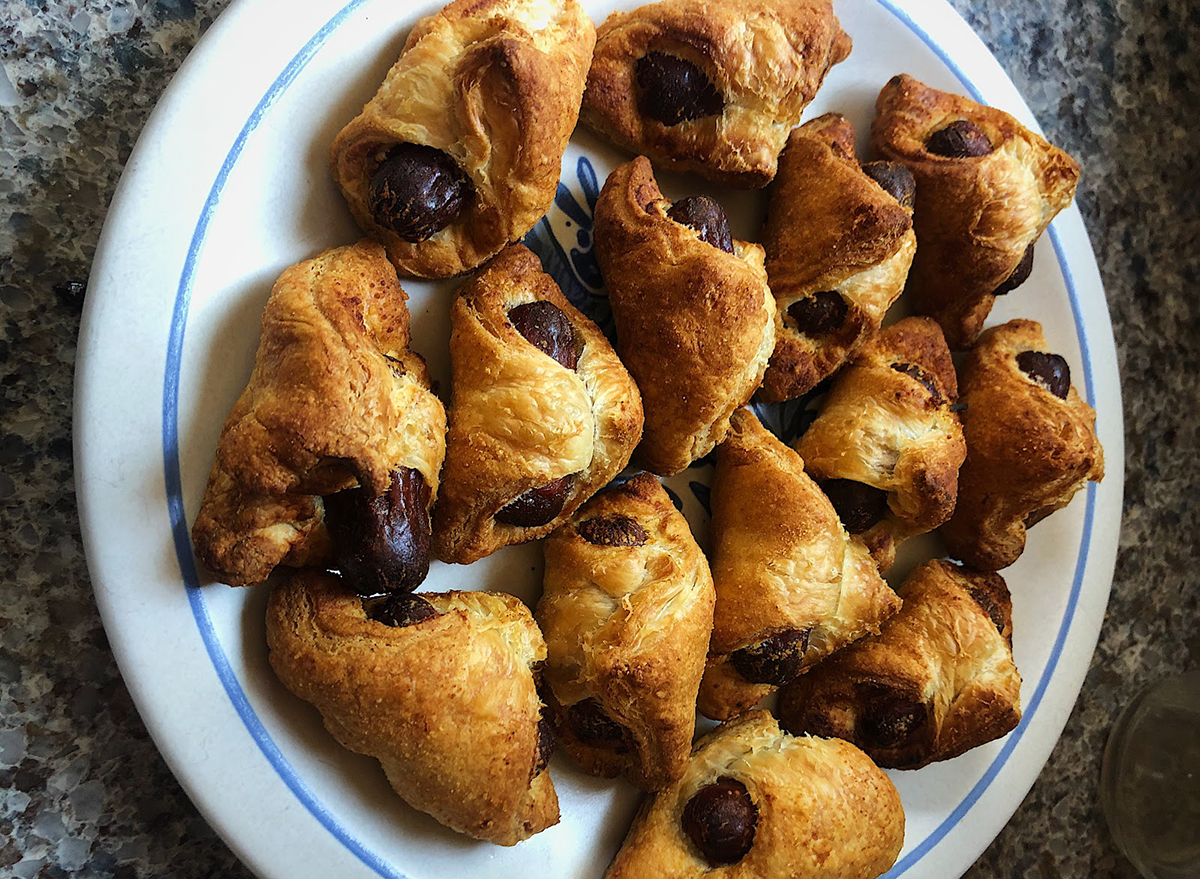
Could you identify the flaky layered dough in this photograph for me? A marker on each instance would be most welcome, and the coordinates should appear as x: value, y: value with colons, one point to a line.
x: 975, y: 217
x: 695, y: 325
x: 448, y: 706
x: 520, y: 420
x: 494, y: 84
x: 336, y: 399
x: 766, y: 57
x: 781, y: 562
x: 824, y: 810
x: 1028, y: 451
x: 936, y: 682
x: 627, y: 624
x: 832, y: 228
x: 890, y: 426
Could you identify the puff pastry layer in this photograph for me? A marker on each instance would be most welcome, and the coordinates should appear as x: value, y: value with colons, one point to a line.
x: 626, y: 613
x: 766, y: 58
x: 494, y: 84
x: 695, y: 325
x: 936, y: 682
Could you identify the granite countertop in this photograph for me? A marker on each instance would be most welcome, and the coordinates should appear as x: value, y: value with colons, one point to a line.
x: 83, y: 791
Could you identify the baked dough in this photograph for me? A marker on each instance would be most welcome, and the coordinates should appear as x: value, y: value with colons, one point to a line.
x: 938, y: 681
x: 887, y: 424
x: 786, y: 573
x: 1028, y: 449
x: 496, y: 86
x: 448, y: 705
x: 976, y: 216
x: 837, y: 243
x: 519, y: 419
x: 695, y: 325
x: 820, y: 810
x: 765, y: 58
x: 626, y: 613
x: 336, y: 400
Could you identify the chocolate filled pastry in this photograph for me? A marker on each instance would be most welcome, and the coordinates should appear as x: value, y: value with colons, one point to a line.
x: 839, y: 242
x: 695, y: 317
x: 709, y: 87
x: 458, y: 153
x: 439, y: 688
x: 1031, y: 444
x: 987, y: 187
x: 336, y: 405
x: 626, y: 613
x: 757, y: 803
x: 543, y: 413
x: 886, y: 447
x: 936, y: 682
x: 792, y: 585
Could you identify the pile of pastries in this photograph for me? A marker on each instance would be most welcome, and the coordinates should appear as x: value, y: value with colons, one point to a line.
x: 340, y: 465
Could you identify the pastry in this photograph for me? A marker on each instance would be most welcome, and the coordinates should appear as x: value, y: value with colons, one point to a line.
x: 336, y: 402
x: 439, y: 688
x: 695, y: 317
x: 626, y: 613
x: 886, y: 447
x: 543, y: 413
x: 987, y: 187
x: 458, y: 153
x: 1030, y: 444
x: 757, y: 803
x: 839, y: 243
x: 936, y: 682
x: 710, y: 87
x: 792, y: 585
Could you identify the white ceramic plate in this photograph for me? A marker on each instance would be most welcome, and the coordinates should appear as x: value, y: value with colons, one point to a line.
x: 228, y: 186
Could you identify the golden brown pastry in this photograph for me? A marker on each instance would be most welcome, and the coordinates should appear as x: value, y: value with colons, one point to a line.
x: 439, y: 688
x: 543, y: 413
x: 936, y: 682
x: 757, y: 803
x: 886, y: 447
x: 458, y: 153
x: 336, y: 401
x: 792, y: 585
x: 987, y: 187
x: 1030, y: 444
x: 839, y: 243
x: 695, y: 317
x: 711, y: 87
x: 626, y: 613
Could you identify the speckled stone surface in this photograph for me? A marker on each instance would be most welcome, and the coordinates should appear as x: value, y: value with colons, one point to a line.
x: 84, y: 793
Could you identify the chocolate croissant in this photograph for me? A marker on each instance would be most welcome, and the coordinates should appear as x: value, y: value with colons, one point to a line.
x: 543, y: 413
x: 757, y: 803
x: 886, y: 447
x: 708, y: 87
x: 1030, y: 444
x: 792, y: 585
x: 439, y: 688
x: 695, y: 317
x: 936, y: 682
x: 336, y: 403
x: 987, y: 187
x: 839, y: 244
x: 458, y: 153
x: 626, y: 613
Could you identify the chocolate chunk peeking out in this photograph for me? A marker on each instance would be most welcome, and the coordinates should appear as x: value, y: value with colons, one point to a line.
x: 930, y: 383
x: 720, y: 819
x: 612, y: 530
x: 1050, y: 371
x: 402, y: 609
x: 775, y: 660
x: 417, y: 191
x: 820, y: 313
x: 994, y: 611
x: 672, y: 90
x: 545, y: 745
x: 592, y: 725
x: 959, y: 140
x: 895, y: 179
x: 703, y: 214
x: 1019, y: 275
x: 859, y: 506
x: 547, y: 328
x: 888, y: 721
x: 538, y: 505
